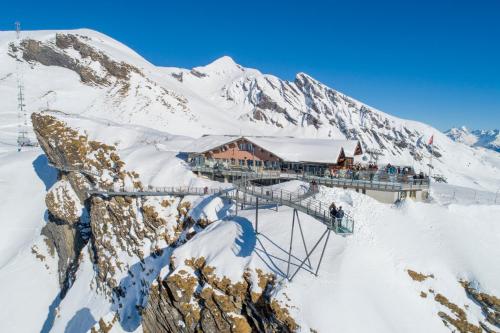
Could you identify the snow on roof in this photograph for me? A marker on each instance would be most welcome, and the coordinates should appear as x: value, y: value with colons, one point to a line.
x: 208, y: 142
x: 349, y: 146
x: 287, y: 148
x: 303, y: 150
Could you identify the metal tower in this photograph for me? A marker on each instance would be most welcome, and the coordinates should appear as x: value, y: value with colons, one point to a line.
x: 22, y: 130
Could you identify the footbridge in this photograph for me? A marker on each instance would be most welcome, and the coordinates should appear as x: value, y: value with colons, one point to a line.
x: 249, y: 195
x: 242, y: 191
x: 246, y: 194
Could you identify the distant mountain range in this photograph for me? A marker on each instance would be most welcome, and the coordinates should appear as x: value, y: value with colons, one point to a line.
x: 489, y: 139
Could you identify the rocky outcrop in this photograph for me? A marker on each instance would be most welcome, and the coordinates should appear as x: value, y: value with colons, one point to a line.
x: 455, y: 316
x: 63, y: 203
x: 490, y: 304
x: 194, y: 299
x: 50, y: 54
x: 123, y: 83
x: 68, y: 241
x: 121, y: 226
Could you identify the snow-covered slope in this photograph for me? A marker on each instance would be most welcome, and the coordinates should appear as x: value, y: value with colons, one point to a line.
x: 489, y: 139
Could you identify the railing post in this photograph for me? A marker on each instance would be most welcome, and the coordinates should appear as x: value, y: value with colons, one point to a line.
x: 236, y: 200
x: 256, y: 215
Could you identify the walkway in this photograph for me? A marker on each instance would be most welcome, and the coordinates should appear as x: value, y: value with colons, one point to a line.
x: 244, y: 192
x: 394, y: 184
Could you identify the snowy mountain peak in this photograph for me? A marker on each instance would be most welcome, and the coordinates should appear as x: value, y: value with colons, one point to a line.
x: 303, y: 77
x: 224, y: 63
x: 489, y: 139
x: 223, y: 66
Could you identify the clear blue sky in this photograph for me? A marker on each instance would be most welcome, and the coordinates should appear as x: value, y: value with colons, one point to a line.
x: 433, y: 61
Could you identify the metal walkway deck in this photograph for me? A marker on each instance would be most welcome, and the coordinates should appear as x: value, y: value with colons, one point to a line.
x: 396, y: 185
x: 242, y: 192
x: 245, y: 193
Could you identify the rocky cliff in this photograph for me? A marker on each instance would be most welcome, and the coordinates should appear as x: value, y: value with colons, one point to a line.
x: 131, y: 243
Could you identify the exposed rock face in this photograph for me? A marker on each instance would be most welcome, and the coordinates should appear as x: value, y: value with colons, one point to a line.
x: 68, y: 241
x: 63, y: 203
x: 455, y: 316
x: 195, y: 296
x: 119, y: 79
x: 306, y: 103
x: 490, y: 304
x: 50, y: 55
x: 120, y: 228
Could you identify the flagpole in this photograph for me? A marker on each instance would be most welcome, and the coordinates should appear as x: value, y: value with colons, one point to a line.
x: 430, y: 164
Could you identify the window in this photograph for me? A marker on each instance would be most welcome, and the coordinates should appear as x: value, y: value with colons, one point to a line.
x: 242, y: 162
x: 246, y: 147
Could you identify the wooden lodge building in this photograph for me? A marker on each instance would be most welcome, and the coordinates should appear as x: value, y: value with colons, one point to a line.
x: 317, y: 156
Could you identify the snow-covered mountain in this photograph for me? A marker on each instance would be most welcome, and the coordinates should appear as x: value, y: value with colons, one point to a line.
x: 72, y: 262
x: 489, y: 139
x: 85, y: 73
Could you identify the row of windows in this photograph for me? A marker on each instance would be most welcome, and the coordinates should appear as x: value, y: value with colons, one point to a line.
x: 251, y: 162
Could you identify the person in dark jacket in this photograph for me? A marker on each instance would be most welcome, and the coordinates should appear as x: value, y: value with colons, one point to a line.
x: 340, y: 213
x: 333, y: 210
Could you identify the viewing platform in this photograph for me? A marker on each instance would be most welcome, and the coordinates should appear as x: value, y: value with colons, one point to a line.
x: 328, y: 162
x: 377, y: 184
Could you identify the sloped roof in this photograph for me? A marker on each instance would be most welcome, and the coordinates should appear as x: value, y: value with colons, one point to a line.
x: 209, y: 142
x: 287, y: 148
x: 349, y: 146
x: 300, y: 150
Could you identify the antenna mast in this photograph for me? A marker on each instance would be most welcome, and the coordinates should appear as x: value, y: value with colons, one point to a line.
x: 22, y: 133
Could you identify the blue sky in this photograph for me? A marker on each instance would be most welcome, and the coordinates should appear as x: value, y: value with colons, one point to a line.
x: 433, y: 61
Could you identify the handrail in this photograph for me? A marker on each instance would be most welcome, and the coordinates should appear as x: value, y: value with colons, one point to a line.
x: 302, y: 201
x: 73, y: 169
x: 397, y: 184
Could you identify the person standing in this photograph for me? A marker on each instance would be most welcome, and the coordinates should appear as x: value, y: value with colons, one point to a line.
x: 340, y: 213
x: 333, y: 210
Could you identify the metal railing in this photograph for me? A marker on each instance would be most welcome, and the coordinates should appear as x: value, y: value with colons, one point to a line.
x: 245, y: 192
x: 303, y: 202
x: 382, y: 182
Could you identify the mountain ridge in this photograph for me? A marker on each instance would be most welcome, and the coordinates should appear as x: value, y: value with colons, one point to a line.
x: 489, y: 139
x: 115, y: 83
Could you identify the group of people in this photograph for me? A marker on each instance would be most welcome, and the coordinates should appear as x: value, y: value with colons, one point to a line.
x: 335, y: 212
x: 365, y: 167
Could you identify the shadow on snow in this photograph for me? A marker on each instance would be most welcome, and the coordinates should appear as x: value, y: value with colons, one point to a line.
x: 44, y: 171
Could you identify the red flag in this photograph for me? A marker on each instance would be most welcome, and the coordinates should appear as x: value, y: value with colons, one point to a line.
x: 431, y: 140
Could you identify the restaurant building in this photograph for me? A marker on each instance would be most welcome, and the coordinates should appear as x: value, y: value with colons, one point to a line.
x: 318, y: 156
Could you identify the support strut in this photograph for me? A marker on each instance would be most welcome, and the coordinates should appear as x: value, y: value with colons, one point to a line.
x: 302, y: 236
x: 314, y: 248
